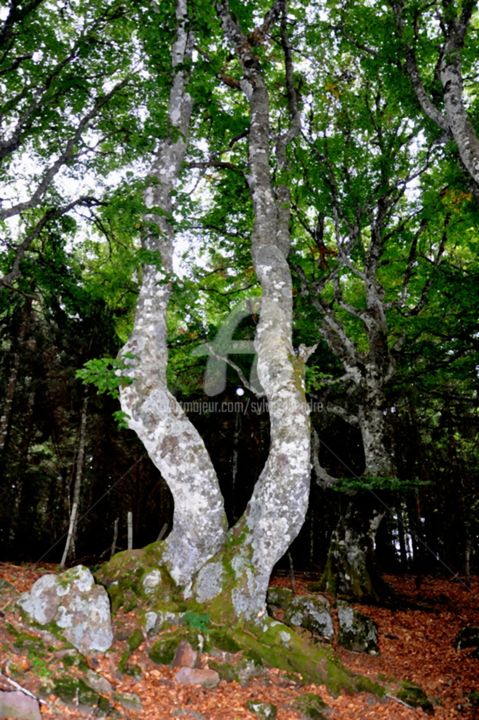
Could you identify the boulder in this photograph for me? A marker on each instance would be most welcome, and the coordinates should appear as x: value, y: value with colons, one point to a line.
x: 197, y: 676
x: 357, y: 632
x: 312, y: 614
x: 76, y: 605
x: 18, y: 706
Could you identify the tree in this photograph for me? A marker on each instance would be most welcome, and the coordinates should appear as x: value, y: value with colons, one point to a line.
x: 373, y: 250
x: 196, y: 545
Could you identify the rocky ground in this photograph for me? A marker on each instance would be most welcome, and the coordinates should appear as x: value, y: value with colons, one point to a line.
x: 416, y: 639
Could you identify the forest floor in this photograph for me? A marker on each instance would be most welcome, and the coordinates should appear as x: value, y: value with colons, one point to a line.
x: 416, y: 639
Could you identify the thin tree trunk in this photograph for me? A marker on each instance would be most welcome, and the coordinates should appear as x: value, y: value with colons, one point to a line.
x: 129, y: 526
x: 115, y: 537
x: 277, y: 508
x: 17, y: 342
x: 70, y: 545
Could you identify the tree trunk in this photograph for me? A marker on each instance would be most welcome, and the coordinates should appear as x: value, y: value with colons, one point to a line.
x: 70, y: 545
x: 172, y: 442
x: 351, y: 570
x: 7, y: 405
x: 232, y: 568
x: 277, y: 508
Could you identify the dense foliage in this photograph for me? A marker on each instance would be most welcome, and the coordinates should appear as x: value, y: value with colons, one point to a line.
x: 384, y: 230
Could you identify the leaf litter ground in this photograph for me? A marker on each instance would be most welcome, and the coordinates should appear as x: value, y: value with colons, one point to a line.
x: 416, y: 639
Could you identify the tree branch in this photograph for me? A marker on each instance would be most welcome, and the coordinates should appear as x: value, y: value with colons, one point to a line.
x: 67, y: 155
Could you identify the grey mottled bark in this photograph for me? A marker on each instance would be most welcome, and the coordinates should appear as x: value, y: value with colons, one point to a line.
x: 279, y: 502
x: 453, y: 119
x: 172, y: 442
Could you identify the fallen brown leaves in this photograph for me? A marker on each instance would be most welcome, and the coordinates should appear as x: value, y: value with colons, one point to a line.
x: 416, y: 642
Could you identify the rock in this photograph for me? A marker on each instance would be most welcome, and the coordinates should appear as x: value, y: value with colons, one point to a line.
x: 357, y: 632
x: 241, y: 671
x: 279, y: 596
x: 185, y: 656
x: 76, y: 693
x: 188, y: 714
x: 197, y: 676
x: 467, y: 637
x: 130, y: 701
x: 76, y: 605
x: 312, y: 614
x: 19, y: 706
x: 98, y: 683
x: 265, y: 711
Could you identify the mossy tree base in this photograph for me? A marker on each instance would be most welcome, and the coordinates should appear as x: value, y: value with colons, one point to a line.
x: 136, y: 580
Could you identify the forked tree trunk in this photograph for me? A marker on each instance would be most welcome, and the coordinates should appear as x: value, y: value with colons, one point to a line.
x: 235, y: 566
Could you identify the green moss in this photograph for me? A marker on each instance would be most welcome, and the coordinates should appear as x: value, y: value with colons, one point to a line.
x: 163, y: 651
x: 123, y: 577
x: 135, y: 640
x: 278, y: 646
x: 196, y: 621
x: 26, y: 641
x: 75, y: 690
x: 222, y: 640
x: 415, y: 696
x: 310, y: 706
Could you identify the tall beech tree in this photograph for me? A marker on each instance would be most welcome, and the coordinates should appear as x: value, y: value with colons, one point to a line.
x: 276, y: 510
x: 363, y: 161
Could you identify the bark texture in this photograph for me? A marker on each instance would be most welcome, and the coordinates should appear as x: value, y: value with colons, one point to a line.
x: 229, y: 569
x: 172, y: 442
x: 279, y: 502
x: 453, y: 118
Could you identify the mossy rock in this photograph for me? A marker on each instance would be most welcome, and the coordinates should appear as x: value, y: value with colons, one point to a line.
x: 310, y: 706
x: 357, y: 632
x: 264, y: 711
x: 222, y: 640
x: 415, y: 696
x: 130, y: 701
x: 137, y: 578
x: 241, y: 671
x: 75, y: 691
x: 163, y: 651
x: 311, y: 614
x: 279, y: 596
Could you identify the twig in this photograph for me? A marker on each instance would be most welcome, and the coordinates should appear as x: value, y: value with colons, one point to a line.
x: 398, y: 700
x: 23, y: 690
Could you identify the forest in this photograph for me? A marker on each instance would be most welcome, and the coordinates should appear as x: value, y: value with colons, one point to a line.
x: 238, y: 297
